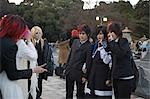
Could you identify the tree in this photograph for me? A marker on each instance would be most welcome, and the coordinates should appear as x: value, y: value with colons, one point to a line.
x: 59, y: 16
x: 142, y: 17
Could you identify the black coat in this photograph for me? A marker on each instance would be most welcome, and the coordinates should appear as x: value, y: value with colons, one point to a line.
x: 99, y: 74
x: 45, y: 56
x: 8, y: 50
x: 79, y: 55
x: 121, y: 59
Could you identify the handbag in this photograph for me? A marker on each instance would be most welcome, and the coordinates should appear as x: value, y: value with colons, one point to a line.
x: 59, y: 71
x: 136, y: 75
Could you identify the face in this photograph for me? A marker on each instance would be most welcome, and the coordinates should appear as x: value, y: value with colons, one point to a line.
x: 83, y: 36
x: 100, y: 36
x: 38, y: 35
x: 112, y: 35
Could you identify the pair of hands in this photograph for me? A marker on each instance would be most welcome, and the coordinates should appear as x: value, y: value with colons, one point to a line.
x: 39, y: 69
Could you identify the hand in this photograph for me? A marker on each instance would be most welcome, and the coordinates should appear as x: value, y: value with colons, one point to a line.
x: 39, y: 69
x: 84, y: 70
x: 108, y: 83
x: 84, y: 80
x: 100, y: 40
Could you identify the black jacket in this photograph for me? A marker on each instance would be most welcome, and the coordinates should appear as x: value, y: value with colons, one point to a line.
x: 79, y: 55
x: 45, y: 56
x: 8, y: 50
x: 121, y: 62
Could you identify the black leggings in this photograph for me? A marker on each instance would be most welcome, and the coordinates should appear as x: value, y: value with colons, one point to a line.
x: 122, y: 88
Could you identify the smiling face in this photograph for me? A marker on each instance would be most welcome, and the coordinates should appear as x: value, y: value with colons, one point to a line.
x: 83, y: 36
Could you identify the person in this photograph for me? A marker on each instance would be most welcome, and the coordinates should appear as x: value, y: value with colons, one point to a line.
x: 25, y: 52
x: 12, y: 29
x: 98, y: 86
x: 44, y: 55
x: 74, y: 35
x: 78, y: 64
x: 64, y: 48
x: 122, y: 72
x: 26, y: 57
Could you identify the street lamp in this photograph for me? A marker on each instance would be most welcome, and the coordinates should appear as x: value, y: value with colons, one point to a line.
x: 105, y: 19
x: 102, y: 19
x: 97, y: 18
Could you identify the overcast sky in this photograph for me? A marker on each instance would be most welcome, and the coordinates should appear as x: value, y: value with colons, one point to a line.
x: 92, y: 3
x: 88, y: 3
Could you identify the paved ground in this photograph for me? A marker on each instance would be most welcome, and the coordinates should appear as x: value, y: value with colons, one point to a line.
x: 54, y: 88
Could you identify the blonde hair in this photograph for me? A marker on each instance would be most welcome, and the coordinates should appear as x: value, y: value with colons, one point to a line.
x: 34, y: 30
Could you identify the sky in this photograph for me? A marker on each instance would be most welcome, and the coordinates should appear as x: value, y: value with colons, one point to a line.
x: 15, y: 1
x: 87, y: 3
x: 92, y: 3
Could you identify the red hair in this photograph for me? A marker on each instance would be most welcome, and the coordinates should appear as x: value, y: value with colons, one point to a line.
x: 12, y: 26
x: 74, y: 33
x: 26, y: 32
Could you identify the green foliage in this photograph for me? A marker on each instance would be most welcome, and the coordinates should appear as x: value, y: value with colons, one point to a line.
x: 142, y: 9
x: 142, y: 17
x: 58, y: 16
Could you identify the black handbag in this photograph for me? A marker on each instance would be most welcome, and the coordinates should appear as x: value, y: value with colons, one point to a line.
x: 136, y: 75
x: 59, y: 71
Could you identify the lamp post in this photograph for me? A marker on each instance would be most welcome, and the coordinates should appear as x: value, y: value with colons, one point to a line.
x: 102, y: 19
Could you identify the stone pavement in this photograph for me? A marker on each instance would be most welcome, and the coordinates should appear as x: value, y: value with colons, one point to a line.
x: 54, y: 88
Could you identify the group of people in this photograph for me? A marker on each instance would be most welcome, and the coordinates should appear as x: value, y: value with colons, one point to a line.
x: 100, y: 67
x: 95, y: 68
x: 24, y: 59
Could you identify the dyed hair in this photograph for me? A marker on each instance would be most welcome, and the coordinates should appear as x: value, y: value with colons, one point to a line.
x: 26, y: 32
x: 36, y: 29
x: 115, y: 27
x: 102, y: 29
x: 13, y: 27
x: 74, y: 33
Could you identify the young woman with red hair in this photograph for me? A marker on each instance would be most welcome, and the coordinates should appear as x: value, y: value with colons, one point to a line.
x: 12, y: 29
